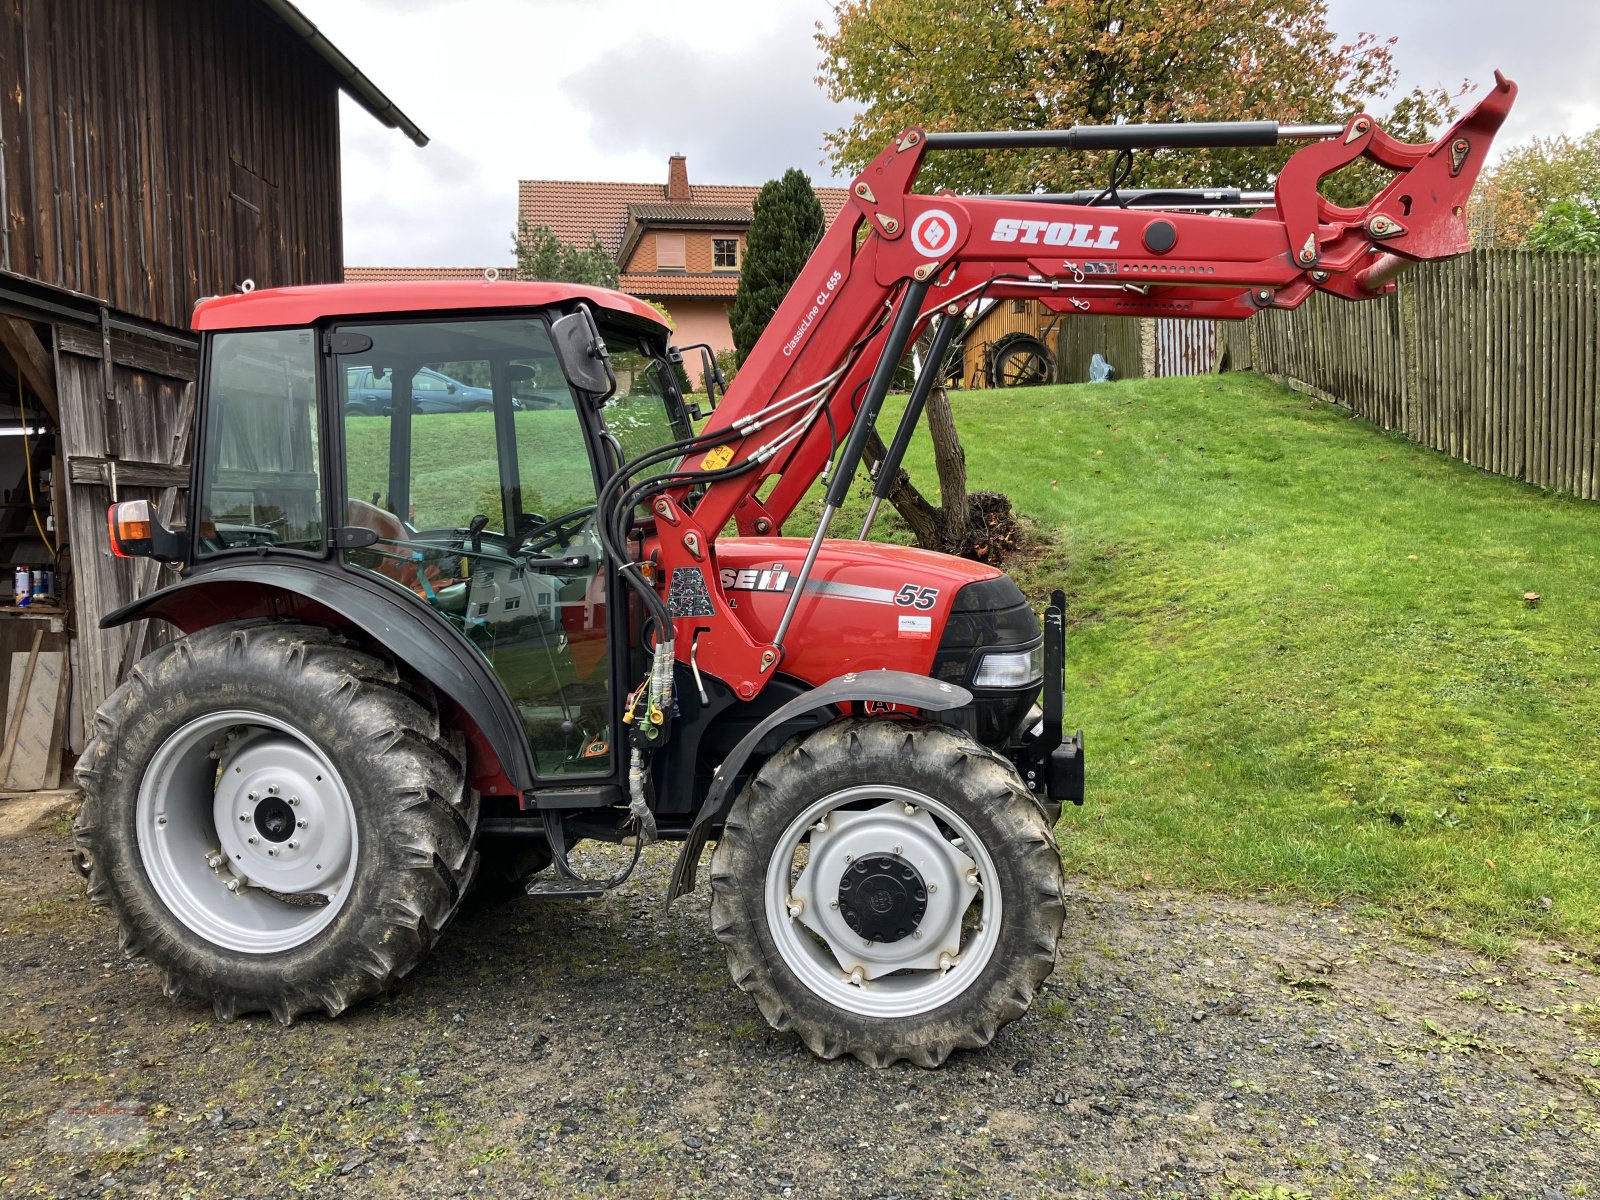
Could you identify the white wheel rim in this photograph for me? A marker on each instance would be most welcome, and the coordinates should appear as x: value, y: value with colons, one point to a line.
x: 246, y: 832
x: 954, y: 938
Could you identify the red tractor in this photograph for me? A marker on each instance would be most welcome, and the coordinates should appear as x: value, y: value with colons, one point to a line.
x: 424, y: 650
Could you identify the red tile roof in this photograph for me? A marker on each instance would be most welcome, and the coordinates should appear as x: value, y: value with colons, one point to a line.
x: 679, y: 283
x: 573, y: 209
x: 385, y: 274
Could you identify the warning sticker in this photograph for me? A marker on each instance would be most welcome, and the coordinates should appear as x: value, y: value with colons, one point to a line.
x: 716, y: 458
x: 912, y: 626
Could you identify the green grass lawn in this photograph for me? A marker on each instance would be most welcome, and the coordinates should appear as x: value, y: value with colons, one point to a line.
x: 1301, y: 656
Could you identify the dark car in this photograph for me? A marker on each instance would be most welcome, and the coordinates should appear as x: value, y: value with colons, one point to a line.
x: 431, y: 392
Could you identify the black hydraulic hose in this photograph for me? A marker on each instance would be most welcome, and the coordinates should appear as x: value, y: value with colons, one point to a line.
x: 905, y: 320
x: 931, y: 370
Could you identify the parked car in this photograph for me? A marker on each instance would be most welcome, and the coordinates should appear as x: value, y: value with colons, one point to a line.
x: 431, y: 392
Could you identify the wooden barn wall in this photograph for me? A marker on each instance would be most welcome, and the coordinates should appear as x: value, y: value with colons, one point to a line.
x: 156, y: 151
x: 153, y: 414
x: 1074, y: 340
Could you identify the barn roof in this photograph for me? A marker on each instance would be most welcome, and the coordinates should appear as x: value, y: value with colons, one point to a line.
x: 351, y: 79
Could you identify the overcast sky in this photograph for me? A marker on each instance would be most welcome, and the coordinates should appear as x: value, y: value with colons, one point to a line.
x: 607, y: 89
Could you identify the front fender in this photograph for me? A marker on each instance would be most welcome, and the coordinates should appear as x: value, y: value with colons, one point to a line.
x: 413, y: 635
x: 893, y: 687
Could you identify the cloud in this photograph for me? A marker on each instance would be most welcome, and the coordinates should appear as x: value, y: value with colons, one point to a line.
x: 1547, y: 46
x: 743, y: 110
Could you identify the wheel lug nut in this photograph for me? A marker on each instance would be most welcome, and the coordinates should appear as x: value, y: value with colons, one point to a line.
x: 932, y: 888
x: 294, y: 845
x: 272, y: 789
x: 917, y: 933
x: 833, y: 904
x: 295, y: 800
x: 301, y: 823
x: 251, y: 796
x: 232, y: 885
x: 897, y: 849
x: 272, y: 852
x: 253, y: 839
x: 849, y: 858
x: 244, y: 817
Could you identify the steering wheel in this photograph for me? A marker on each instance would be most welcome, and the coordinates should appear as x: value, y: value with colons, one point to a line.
x: 554, y: 530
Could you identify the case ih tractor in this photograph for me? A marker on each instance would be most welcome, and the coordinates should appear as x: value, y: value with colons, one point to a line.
x: 427, y: 651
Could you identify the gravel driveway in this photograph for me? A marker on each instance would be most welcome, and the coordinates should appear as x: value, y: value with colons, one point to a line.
x: 1186, y: 1046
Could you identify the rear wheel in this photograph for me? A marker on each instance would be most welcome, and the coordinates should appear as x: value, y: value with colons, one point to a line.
x: 888, y: 890
x: 276, y: 818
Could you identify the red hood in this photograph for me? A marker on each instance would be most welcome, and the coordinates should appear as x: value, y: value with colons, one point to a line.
x: 866, y: 605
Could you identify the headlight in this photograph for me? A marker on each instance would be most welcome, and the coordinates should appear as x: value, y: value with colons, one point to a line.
x: 1010, y: 668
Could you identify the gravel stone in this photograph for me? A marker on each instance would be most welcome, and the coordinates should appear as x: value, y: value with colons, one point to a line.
x: 559, y: 1048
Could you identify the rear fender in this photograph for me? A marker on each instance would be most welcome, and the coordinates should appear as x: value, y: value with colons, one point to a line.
x: 900, y: 688
x: 317, y: 592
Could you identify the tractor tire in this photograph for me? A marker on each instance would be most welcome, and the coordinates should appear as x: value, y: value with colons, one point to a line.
x: 926, y: 912
x: 220, y: 874
x: 1020, y: 360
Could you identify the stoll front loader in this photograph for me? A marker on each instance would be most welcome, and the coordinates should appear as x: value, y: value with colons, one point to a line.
x: 427, y: 651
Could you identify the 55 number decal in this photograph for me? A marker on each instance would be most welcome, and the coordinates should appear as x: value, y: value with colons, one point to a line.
x: 911, y: 596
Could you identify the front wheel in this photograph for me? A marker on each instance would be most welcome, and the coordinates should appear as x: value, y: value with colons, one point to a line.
x: 889, y: 890
x: 276, y: 818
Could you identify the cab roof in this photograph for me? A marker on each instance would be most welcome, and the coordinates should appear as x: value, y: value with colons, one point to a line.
x: 270, y: 307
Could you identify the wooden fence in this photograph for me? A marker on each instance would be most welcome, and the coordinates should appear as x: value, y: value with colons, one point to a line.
x: 1492, y: 358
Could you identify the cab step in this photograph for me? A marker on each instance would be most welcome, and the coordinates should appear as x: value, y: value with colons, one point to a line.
x: 553, y: 887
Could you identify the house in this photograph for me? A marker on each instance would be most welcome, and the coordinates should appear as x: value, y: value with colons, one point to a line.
x: 151, y: 152
x: 680, y: 244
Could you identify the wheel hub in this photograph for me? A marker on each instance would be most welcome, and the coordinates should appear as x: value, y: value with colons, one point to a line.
x: 921, y: 917
x: 882, y: 897
x: 281, y: 818
x: 274, y: 819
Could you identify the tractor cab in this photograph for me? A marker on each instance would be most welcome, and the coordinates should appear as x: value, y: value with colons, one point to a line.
x: 325, y: 436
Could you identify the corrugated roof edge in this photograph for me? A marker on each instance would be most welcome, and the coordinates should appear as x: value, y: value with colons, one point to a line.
x: 363, y: 90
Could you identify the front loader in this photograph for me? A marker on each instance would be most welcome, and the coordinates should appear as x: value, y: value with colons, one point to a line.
x: 424, y: 652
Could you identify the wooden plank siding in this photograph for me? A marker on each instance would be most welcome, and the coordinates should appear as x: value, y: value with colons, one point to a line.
x: 1492, y: 358
x: 155, y: 151
x: 155, y: 414
x: 1074, y: 340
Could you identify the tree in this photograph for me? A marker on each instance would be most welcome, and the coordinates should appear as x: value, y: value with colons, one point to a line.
x: 542, y: 255
x: 1531, y: 178
x: 1052, y: 64
x: 785, y: 227
x: 1567, y: 225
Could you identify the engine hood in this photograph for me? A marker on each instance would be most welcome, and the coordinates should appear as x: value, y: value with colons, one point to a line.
x: 866, y: 606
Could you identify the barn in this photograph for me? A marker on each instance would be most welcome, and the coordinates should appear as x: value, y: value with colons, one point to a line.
x: 151, y: 152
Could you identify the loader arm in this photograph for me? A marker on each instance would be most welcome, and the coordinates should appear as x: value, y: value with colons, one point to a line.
x: 894, y: 259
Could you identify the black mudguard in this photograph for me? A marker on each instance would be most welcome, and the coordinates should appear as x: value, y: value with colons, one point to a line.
x: 413, y: 635
x: 893, y: 687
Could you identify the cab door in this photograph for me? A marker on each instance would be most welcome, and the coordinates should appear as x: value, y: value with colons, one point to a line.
x: 487, y: 518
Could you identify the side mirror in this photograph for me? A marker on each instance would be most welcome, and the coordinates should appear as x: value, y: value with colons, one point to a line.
x: 451, y: 388
x: 711, y: 374
x: 136, y: 532
x: 582, y: 353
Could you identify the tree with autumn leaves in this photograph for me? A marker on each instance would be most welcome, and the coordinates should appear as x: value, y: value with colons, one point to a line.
x: 1053, y: 64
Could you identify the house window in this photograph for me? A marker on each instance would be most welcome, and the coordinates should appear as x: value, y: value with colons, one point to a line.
x: 725, y: 254
x: 669, y: 252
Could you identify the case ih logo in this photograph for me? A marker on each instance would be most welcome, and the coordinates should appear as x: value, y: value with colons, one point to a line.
x: 934, y: 233
x: 1055, y: 233
x: 754, y: 579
